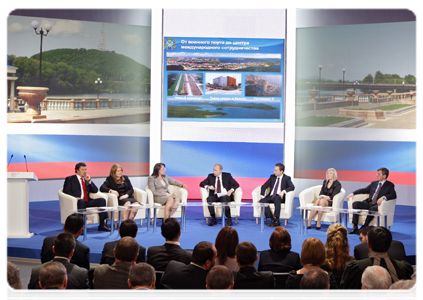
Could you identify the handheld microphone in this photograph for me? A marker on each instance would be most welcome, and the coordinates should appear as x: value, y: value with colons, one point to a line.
x: 10, y: 159
x: 26, y: 164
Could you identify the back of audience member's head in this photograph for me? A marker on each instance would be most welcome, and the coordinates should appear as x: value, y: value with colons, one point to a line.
x: 312, y: 252
x: 64, y: 243
x: 126, y: 249
x: 53, y: 275
x: 14, y: 276
x: 246, y: 254
x: 404, y: 290
x: 380, y: 239
x: 226, y: 242
x: 413, y: 277
x: 170, y: 229
x: 363, y: 233
x: 142, y: 275
x: 315, y: 279
x: 74, y: 223
x: 128, y: 228
x: 375, y: 278
x: 280, y: 240
x: 337, y: 248
x: 219, y: 277
x: 203, y: 252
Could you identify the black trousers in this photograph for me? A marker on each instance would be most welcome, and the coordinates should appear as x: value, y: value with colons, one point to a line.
x: 277, y: 200
x: 94, y: 203
x: 364, y: 205
x: 225, y: 199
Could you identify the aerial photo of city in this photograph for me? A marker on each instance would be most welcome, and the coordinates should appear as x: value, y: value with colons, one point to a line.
x: 263, y: 85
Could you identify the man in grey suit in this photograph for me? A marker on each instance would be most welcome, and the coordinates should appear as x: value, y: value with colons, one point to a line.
x: 64, y: 247
x: 116, y: 275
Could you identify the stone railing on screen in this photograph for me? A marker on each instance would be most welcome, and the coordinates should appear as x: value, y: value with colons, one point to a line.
x: 62, y: 103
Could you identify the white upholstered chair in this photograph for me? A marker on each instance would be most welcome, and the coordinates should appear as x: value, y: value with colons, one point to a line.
x: 178, y: 192
x: 287, y: 208
x: 235, y: 211
x: 387, y: 206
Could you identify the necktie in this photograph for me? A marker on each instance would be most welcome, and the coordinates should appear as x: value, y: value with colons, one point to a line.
x: 218, y: 188
x: 85, y: 190
x: 374, y: 200
x: 275, y: 190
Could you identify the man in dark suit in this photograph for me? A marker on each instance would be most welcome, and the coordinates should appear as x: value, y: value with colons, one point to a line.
x: 221, y: 187
x: 127, y: 228
x: 248, y: 277
x: 80, y: 186
x: 220, y: 278
x: 160, y: 256
x: 64, y: 247
x: 378, y: 190
x: 361, y: 251
x: 193, y: 276
x: 142, y: 280
x: 74, y: 225
x: 279, y: 184
x: 53, y: 281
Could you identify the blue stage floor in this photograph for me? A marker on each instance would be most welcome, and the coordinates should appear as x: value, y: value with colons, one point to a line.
x: 44, y: 220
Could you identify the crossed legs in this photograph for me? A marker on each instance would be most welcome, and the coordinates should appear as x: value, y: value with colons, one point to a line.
x: 129, y: 214
x: 171, y: 206
x: 320, y: 202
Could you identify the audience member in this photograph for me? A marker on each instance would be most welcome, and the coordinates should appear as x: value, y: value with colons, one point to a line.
x: 192, y: 276
x: 53, y: 276
x: 127, y: 228
x: 142, y: 277
x: 375, y: 278
x: 116, y: 275
x: 226, y: 242
x: 14, y: 276
x: 312, y: 257
x: 279, y: 258
x: 220, y: 277
x: 63, y: 249
x: 159, y: 256
x: 379, y: 241
x: 248, y: 277
x: 361, y: 251
x: 74, y: 224
x: 404, y: 290
x: 315, y: 279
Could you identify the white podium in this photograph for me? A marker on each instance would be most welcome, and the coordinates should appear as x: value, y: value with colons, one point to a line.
x: 17, y: 204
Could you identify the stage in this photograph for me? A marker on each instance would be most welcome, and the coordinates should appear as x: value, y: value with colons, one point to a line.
x: 44, y: 220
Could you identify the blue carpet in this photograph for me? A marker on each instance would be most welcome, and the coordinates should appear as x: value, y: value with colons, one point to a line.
x: 44, y: 220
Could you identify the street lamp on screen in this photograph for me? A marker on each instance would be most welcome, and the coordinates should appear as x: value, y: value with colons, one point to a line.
x: 42, y: 32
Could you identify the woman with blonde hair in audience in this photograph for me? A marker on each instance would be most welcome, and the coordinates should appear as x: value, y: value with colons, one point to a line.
x: 312, y: 257
x: 337, y: 250
x: 226, y: 242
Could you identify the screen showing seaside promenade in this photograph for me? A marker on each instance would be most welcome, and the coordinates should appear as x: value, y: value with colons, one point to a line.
x: 223, y: 79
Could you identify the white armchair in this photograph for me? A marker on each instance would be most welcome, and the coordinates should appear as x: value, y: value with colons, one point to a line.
x: 235, y: 211
x: 309, y: 195
x: 68, y: 203
x: 387, y: 206
x: 287, y: 208
x: 178, y: 192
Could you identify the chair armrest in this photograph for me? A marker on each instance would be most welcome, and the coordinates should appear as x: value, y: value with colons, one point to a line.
x: 204, y: 194
x: 140, y: 195
x: 289, y: 201
x: 338, y: 199
x: 112, y: 200
x: 255, y: 194
x: 238, y: 195
x: 388, y: 206
x: 306, y: 196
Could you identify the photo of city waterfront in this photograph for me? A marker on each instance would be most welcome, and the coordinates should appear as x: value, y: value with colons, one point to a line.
x: 263, y: 85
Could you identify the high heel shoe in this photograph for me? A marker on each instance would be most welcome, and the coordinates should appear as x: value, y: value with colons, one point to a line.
x: 318, y: 227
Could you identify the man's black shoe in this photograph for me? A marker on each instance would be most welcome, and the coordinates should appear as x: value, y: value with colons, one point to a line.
x: 212, y: 222
x: 354, y: 231
x: 229, y: 222
x: 275, y: 224
x: 271, y: 223
x: 103, y: 228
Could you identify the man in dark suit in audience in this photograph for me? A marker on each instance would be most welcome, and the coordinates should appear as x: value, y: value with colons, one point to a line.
x: 221, y: 187
x: 220, y: 278
x: 248, y: 277
x: 193, y: 276
x: 116, y: 276
x: 127, y: 228
x: 64, y: 247
x: 361, y: 251
x: 279, y: 184
x: 53, y: 281
x: 74, y: 224
x: 378, y: 190
x: 142, y: 279
x: 160, y: 256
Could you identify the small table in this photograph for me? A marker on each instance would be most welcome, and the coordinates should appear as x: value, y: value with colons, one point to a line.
x: 147, y: 207
x: 95, y: 210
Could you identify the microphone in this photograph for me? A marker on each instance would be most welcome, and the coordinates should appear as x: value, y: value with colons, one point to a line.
x: 26, y: 163
x: 10, y: 159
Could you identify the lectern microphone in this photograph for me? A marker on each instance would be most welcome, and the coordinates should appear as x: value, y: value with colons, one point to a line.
x: 26, y: 164
x: 11, y: 156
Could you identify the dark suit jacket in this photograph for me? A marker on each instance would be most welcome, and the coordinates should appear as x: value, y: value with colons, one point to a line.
x: 250, y: 278
x: 58, y: 294
x: 294, y: 280
x: 227, y: 182
x: 73, y: 187
x: 177, y: 275
x: 107, y: 256
x: 77, y: 277
x: 110, y: 183
x: 396, y: 251
x: 387, y: 190
x: 112, y: 277
x: 286, y: 185
x: 81, y: 256
x: 279, y: 262
x: 332, y: 191
x: 160, y: 256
